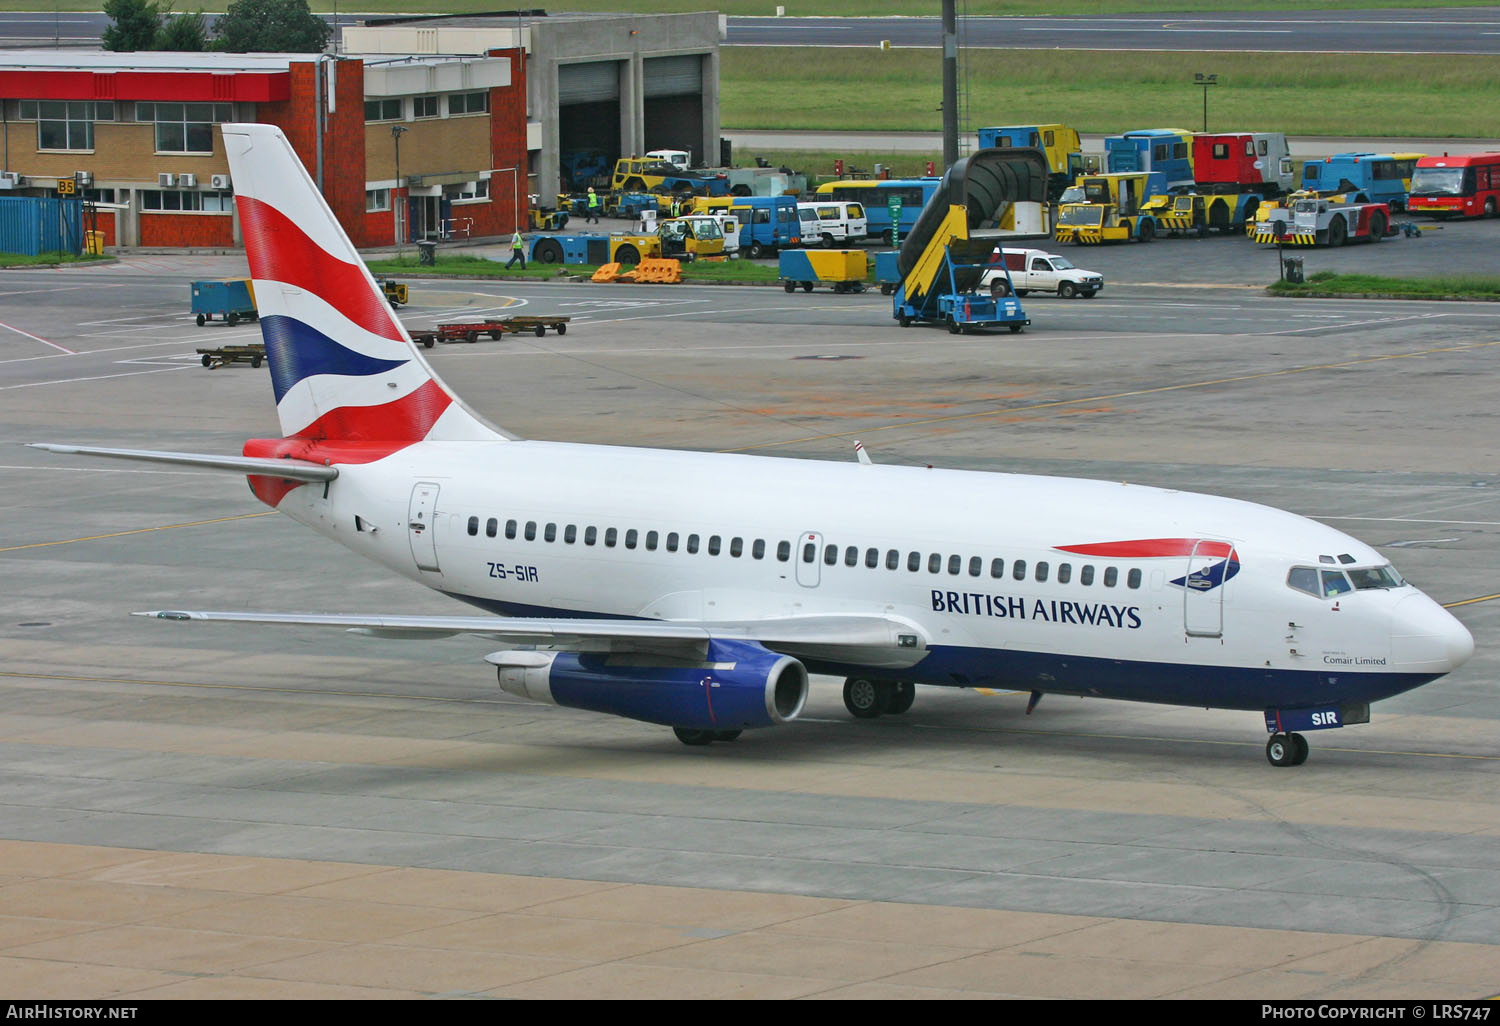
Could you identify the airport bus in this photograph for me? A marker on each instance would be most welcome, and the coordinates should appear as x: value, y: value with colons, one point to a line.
x: 1467, y: 185
x: 875, y: 195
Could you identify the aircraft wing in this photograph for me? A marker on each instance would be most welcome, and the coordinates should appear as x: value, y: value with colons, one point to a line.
x: 878, y: 641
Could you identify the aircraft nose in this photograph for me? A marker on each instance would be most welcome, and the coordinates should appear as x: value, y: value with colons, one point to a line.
x: 1425, y: 637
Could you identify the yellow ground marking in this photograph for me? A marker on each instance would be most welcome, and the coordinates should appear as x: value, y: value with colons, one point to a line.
x: 1013, y: 410
x: 139, y: 530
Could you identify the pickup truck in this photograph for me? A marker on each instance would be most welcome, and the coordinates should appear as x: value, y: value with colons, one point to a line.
x: 1033, y: 270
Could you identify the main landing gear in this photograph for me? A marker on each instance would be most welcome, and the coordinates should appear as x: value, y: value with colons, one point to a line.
x: 1286, y: 750
x: 868, y: 698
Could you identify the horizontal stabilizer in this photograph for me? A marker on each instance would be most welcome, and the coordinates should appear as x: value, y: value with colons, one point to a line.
x: 296, y: 470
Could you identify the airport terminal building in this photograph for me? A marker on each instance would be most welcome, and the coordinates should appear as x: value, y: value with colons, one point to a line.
x: 417, y: 128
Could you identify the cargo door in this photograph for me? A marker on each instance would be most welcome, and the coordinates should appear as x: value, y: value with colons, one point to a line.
x: 421, y: 525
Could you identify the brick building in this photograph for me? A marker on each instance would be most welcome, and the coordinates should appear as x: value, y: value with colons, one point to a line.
x: 137, y: 133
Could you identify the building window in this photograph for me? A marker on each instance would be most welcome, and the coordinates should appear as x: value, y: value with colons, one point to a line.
x: 468, y: 103
x: 382, y: 110
x: 189, y: 200
x: 65, y: 124
x: 377, y: 199
x: 462, y: 191
x: 424, y: 106
x: 184, y: 127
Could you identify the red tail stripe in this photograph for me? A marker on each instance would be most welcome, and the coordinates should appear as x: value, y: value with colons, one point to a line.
x: 280, y: 251
x: 406, y: 420
x: 1148, y: 548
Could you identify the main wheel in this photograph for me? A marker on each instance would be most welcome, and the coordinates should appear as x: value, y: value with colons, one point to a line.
x: 903, y: 694
x: 1300, y: 746
x: 866, y: 698
x: 689, y: 736
x: 1067, y: 290
x: 1281, y: 750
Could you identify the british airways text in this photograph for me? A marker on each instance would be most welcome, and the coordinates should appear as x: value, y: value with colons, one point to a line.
x: 1096, y: 614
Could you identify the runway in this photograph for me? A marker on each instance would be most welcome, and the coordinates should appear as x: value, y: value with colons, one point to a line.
x: 208, y: 811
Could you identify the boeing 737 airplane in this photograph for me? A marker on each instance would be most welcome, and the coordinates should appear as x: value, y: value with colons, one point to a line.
x: 699, y: 590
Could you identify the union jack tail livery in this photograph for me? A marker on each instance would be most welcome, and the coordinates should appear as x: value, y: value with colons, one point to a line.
x: 345, y: 372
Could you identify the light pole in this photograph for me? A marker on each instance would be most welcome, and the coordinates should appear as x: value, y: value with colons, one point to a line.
x: 397, y: 131
x: 1205, y: 81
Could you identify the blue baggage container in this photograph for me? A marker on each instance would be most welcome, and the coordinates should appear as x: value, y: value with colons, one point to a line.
x: 228, y: 299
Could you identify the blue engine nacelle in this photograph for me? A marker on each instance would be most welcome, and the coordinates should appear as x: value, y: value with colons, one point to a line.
x: 740, y: 685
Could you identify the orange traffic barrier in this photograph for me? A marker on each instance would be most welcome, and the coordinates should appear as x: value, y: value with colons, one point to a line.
x: 659, y: 271
x: 606, y: 272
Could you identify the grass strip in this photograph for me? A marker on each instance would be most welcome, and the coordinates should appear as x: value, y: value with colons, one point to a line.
x: 866, y: 89
x: 48, y: 259
x: 1374, y: 286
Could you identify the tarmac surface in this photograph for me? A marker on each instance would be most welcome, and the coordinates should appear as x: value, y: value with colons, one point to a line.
x: 198, y: 811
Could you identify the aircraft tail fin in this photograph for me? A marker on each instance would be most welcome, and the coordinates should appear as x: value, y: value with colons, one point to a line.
x: 343, y: 368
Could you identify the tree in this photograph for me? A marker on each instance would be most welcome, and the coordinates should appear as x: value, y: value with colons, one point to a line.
x: 270, y: 26
x: 183, y: 32
x: 134, y: 25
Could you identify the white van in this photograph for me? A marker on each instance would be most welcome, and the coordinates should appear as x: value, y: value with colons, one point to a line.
x: 1034, y: 270
x: 832, y: 222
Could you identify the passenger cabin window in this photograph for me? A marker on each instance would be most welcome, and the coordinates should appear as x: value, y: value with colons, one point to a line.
x: 1133, y: 579
x: 473, y: 525
x: 1086, y: 574
x: 630, y: 538
x: 611, y: 535
x: 830, y: 554
x: 997, y: 568
x: 934, y: 563
x: 1064, y: 573
x: 491, y: 527
x: 510, y: 529
x: 714, y: 541
x: 550, y: 532
x: 1041, y: 571
x: 590, y: 535
x: 1018, y: 569
x: 1111, y: 577
x: 531, y: 530
x: 783, y: 551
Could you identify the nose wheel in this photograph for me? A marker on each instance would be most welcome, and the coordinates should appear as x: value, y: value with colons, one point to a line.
x: 1286, y: 750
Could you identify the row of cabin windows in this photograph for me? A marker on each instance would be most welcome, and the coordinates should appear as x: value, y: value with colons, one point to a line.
x: 871, y: 557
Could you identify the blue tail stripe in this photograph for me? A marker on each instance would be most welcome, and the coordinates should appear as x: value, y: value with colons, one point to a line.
x: 297, y: 350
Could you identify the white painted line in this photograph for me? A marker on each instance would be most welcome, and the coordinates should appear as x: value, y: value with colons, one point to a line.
x: 97, y: 377
x: 54, y: 345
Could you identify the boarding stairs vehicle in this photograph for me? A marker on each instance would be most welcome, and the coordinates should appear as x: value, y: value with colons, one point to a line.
x: 988, y: 198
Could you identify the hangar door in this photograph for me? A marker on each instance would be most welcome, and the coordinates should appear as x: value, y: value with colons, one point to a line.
x: 673, y: 89
x: 588, y: 120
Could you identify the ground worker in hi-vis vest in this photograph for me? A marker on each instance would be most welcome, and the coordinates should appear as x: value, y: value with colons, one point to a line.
x: 517, y: 250
x: 593, y: 208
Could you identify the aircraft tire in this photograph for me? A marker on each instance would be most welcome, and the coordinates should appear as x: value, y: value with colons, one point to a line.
x: 903, y: 694
x: 1281, y: 750
x: 1299, y: 743
x: 695, y: 738
x: 865, y: 698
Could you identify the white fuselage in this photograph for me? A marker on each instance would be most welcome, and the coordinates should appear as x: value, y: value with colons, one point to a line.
x: 975, y: 559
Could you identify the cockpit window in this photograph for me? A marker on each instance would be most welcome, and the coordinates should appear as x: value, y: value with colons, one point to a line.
x: 1305, y: 578
x: 1376, y: 577
x: 1335, y: 583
